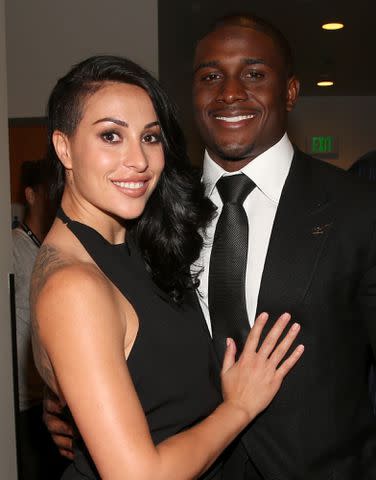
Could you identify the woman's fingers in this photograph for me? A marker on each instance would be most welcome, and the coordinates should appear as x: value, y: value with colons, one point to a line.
x: 252, y: 382
x: 253, y: 338
x: 274, y: 335
x: 270, y: 350
x: 280, y: 351
x: 290, y: 361
x: 229, y: 357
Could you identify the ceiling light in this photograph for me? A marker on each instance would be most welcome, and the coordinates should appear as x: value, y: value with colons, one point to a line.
x: 332, y: 26
x: 325, y: 83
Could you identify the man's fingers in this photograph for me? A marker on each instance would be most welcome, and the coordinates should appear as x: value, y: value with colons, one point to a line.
x: 273, y: 336
x: 50, y: 406
x: 290, y: 361
x: 66, y: 453
x: 63, y: 442
x: 51, y: 402
x: 57, y: 426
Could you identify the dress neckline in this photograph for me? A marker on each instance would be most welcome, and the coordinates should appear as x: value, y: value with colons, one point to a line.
x: 73, y: 224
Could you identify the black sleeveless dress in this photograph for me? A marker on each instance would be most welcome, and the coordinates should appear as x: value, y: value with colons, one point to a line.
x: 171, y: 339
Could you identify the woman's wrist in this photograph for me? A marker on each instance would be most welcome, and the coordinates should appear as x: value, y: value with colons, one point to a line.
x: 240, y: 417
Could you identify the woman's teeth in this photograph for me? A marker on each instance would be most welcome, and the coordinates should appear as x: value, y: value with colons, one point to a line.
x: 131, y: 185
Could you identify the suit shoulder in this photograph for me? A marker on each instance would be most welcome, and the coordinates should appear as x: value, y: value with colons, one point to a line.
x: 338, y: 180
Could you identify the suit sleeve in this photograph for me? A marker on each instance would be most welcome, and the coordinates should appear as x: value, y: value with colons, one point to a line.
x: 367, y: 292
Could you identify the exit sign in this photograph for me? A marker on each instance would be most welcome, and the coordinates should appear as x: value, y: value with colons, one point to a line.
x: 324, y: 146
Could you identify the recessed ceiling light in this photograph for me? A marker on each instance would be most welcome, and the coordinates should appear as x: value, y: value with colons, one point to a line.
x: 332, y: 26
x: 325, y: 83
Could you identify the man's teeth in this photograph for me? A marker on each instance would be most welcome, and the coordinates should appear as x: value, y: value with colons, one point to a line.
x: 134, y: 185
x: 238, y: 118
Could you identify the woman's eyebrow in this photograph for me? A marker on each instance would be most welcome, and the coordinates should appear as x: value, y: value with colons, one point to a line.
x: 121, y: 123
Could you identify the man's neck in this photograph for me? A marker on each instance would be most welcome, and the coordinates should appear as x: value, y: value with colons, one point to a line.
x: 35, y: 226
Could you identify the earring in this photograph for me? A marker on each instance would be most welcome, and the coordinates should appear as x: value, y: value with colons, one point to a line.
x: 68, y: 174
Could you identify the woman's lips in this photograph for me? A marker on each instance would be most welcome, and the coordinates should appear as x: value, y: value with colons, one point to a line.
x: 132, y: 185
x: 131, y: 188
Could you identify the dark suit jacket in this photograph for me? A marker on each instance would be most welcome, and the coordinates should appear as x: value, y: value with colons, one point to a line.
x: 321, y: 267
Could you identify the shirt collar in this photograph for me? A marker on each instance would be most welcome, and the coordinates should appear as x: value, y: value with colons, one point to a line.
x: 268, y: 170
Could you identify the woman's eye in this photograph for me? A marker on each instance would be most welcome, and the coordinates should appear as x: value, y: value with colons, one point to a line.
x: 151, y: 138
x: 111, y: 137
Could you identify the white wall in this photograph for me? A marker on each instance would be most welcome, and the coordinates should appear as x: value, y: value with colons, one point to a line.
x: 45, y: 38
x: 350, y: 119
x: 7, y: 431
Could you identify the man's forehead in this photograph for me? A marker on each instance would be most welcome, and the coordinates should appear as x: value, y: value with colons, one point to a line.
x: 225, y: 33
x: 226, y: 38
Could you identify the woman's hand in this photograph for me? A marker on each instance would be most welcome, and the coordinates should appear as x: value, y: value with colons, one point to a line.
x: 251, y: 383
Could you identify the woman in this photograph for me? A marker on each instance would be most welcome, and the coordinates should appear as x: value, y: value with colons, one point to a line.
x: 114, y: 336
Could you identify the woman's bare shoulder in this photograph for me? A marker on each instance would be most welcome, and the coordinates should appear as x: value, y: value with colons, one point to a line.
x: 54, y: 267
x: 64, y: 285
x: 70, y: 299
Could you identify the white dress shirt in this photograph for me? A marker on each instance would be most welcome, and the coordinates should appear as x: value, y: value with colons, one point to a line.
x: 268, y: 171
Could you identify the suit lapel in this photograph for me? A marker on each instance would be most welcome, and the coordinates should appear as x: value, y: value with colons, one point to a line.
x: 302, y: 223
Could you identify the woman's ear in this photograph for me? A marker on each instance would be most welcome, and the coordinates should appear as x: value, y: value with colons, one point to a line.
x: 62, y: 148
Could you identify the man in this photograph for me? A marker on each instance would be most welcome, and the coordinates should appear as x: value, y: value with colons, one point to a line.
x: 37, y: 454
x: 27, y: 237
x: 311, y: 252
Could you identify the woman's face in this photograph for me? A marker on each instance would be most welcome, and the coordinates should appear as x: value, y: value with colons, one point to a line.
x: 115, y: 157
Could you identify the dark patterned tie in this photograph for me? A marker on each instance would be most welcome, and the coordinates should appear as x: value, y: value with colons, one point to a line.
x: 228, y: 262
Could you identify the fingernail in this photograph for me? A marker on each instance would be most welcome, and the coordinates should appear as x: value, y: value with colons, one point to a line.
x: 295, y: 327
x: 228, y: 342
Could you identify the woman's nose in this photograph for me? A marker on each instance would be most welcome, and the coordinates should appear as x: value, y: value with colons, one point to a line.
x: 135, y: 157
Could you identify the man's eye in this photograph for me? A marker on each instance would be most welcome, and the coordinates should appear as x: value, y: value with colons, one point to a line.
x: 211, y: 76
x: 254, y: 75
x: 111, y: 137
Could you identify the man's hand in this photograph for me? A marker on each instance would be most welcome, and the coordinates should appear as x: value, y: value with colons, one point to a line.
x: 59, y: 429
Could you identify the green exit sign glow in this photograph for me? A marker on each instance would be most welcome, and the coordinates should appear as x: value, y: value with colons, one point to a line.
x: 322, y: 144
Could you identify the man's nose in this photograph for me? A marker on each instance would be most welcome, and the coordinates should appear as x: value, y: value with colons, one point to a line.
x: 232, y: 90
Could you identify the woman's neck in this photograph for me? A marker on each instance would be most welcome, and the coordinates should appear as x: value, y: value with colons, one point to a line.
x: 111, y: 228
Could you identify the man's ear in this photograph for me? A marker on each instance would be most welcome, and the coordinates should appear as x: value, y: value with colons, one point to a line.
x: 293, y: 87
x: 62, y: 148
x: 29, y: 196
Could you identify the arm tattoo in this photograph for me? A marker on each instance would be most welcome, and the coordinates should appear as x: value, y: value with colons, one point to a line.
x: 49, y: 260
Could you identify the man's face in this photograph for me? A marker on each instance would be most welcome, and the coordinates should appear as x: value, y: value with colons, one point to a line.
x: 241, y: 94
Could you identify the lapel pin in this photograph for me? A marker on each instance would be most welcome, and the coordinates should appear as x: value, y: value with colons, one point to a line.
x: 320, y: 229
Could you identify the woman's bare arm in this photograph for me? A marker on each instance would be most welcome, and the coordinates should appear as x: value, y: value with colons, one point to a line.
x: 82, y: 328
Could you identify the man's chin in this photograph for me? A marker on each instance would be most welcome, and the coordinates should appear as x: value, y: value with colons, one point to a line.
x: 234, y: 153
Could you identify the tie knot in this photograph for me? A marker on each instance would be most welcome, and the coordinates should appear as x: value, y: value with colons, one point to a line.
x: 235, y: 188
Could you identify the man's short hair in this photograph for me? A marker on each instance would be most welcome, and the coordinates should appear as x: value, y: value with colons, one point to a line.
x: 260, y: 24
x: 32, y: 174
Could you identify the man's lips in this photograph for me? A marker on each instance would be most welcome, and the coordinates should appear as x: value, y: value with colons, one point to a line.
x: 237, y: 118
x: 232, y: 117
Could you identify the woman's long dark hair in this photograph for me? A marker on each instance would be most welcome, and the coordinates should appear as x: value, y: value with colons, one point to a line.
x: 168, y: 232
